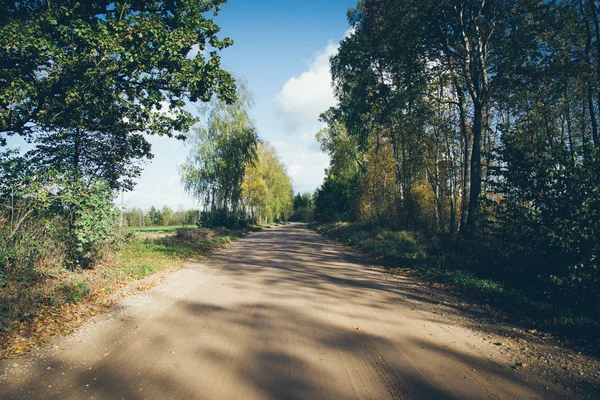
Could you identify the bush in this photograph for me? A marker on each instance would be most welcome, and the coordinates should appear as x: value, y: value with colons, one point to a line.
x: 303, y: 214
x: 91, y: 216
x: 76, y: 292
x: 549, y: 219
x: 192, y: 234
x: 223, y: 219
x: 46, y: 222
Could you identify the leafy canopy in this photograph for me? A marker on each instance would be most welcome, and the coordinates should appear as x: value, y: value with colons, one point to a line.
x: 220, y: 151
x: 74, y: 72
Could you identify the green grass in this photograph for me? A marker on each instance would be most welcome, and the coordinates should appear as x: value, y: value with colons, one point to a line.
x: 144, y: 257
x: 406, y: 246
x: 157, y: 229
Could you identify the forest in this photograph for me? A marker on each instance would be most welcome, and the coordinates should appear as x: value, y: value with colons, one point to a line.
x: 472, y: 127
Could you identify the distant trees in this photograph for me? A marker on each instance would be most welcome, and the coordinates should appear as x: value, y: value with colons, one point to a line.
x: 303, y: 208
x: 137, y: 217
x: 220, y: 151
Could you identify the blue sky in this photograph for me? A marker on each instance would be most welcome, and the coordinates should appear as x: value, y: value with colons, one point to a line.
x: 281, y: 49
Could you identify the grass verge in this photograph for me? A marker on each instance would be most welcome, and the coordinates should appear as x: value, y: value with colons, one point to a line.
x: 402, y: 249
x: 56, y: 301
x: 163, y: 228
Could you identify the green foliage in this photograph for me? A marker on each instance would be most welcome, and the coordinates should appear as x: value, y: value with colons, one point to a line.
x: 76, y: 292
x: 84, y: 80
x: 3, y: 261
x: 221, y: 218
x: 552, y: 202
x: 170, y: 228
x: 477, y: 124
x: 92, y: 217
x: 302, y: 201
x: 220, y: 152
x: 267, y: 188
x: 482, y: 270
x: 405, y: 246
x: 46, y: 217
x: 336, y: 200
x: 236, y: 177
x: 304, y: 214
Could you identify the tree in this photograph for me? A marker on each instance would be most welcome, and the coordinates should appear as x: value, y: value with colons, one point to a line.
x: 405, y: 58
x: 155, y: 216
x: 302, y: 201
x: 379, y: 75
x: 255, y: 190
x: 85, y: 79
x: 267, y: 188
x: 303, y: 208
x: 167, y: 216
x: 220, y: 152
x: 339, y: 196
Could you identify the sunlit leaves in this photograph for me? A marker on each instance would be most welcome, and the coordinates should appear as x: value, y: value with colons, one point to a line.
x: 104, y: 69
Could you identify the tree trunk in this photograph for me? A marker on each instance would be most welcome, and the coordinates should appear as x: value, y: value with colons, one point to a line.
x: 594, y: 10
x: 466, y: 172
x: 476, y: 172
x: 396, y: 163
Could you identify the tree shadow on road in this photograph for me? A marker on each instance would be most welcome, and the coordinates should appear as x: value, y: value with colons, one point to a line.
x: 286, y: 326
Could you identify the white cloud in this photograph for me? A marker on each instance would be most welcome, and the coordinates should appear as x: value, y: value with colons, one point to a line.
x: 299, y: 103
x: 173, y: 181
x: 303, y: 98
x: 304, y: 160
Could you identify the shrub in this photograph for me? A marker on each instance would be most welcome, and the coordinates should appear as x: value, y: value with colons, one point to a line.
x: 91, y: 216
x: 76, y: 292
x: 223, y: 218
x: 303, y: 214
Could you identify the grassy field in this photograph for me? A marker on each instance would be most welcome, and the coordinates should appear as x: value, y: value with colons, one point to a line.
x: 57, y: 300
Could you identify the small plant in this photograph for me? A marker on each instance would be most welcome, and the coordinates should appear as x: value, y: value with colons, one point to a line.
x: 75, y: 293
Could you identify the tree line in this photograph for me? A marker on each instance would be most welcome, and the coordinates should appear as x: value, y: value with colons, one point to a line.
x: 475, y: 120
x: 165, y: 216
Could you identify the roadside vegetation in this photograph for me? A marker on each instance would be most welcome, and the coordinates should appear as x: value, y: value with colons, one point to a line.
x: 83, y: 85
x: 466, y: 143
x: 159, y: 228
x: 303, y: 208
x: 52, y: 300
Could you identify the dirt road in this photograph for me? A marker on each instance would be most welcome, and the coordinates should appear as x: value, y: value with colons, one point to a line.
x: 281, y: 314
